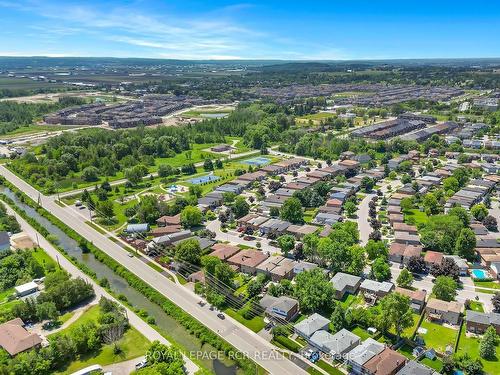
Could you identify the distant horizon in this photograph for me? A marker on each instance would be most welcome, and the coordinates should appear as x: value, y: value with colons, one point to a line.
x: 251, y: 30
x: 304, y: 60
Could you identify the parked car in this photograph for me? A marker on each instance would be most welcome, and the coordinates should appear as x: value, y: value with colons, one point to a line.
x: 141, y: 364
x: 221, y: 316
x: 249, y: 238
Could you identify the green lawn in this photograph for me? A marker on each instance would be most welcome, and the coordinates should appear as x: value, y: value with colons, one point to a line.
x: 43, y: 258
x: 133, y: 345
x: 408, y: 332
x: 287, y: 343
x: 435, y: 364
x: 328, y: 368
x: 470, y: 345
x: 255, y: 324
x: 438, y: 336
x: 476, y: 306
x: 34, y: 129
x: 361, y: 332
x: 416, y: 216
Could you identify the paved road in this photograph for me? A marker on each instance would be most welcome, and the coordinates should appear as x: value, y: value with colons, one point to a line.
x: 135, y: 321
x: 261, y: 351
x: 154, y: 174
x: 363, y: 208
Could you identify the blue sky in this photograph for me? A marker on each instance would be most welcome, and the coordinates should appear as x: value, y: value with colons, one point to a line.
x: 216, y: 29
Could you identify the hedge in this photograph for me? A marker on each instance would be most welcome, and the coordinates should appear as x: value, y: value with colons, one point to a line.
x: 193, y: 326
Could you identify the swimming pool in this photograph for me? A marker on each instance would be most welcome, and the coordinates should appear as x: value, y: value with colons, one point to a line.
x: 480, y: 274
x: 257, y: 161
x: 202, y: 179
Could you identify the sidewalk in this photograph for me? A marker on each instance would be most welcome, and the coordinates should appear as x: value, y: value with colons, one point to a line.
x: 149, y: 332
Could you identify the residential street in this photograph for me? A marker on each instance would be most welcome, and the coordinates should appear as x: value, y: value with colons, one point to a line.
x: 262, y: 352
x: 135, y: 321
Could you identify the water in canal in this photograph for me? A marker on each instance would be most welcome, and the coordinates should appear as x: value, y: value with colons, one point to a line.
x: 119, y: 286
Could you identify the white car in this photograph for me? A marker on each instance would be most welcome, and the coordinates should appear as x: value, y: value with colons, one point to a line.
x: 141, y: 364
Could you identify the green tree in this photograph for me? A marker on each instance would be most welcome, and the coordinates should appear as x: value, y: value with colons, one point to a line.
x: 240, y: 207
x: 357, y: 260
x: 286, y: 243
x: 350, y: 208
x: 395, y: 310
x: 405, y: 279
x: 431, y: 204
x: 90, y: 174
x: 191, y: 216
x: 381, y: 270
x: 461, y: 213
x: 313, y: 290
x: 292, y: 211
x: 487, y: 346
x: 188, y: 251
x: 376, y: 249
x: 445, y: 288
x: 451, y: 183
x: 479, y: 211
x: 406, y: 204
x: 337, y: 318
x: 466, y: 244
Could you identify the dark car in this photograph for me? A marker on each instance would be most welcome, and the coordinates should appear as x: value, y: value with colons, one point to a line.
x: 221, y: 316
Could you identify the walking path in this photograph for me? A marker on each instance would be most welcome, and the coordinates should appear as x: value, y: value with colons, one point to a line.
x: 134, y: 320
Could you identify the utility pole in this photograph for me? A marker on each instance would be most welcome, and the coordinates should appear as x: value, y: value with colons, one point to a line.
x: 37, y: 239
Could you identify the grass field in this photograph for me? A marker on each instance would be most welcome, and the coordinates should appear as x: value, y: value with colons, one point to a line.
x: 43, y: 258
x: 416, y: 216
x: 133, y: 345
x: 438, y: 336
x: 34, y: 129
x: 255, y: 324
x: 470, y: 345
x: 15, y: 83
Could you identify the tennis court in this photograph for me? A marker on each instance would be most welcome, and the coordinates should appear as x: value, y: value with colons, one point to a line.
x: 257, y: 161
x: 203, y: 179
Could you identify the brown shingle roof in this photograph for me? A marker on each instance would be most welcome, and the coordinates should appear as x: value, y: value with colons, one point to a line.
x: 14, y: 338
x: 386, y: 362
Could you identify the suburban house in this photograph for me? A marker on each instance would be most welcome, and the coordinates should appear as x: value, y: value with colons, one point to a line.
x: 301, y: 266
x: 416, y: 368
x: 387, y: 362
x: 169, y: 220
x: 362, y: 354
x: 433, y: 257
x: 280, y: 308
x: 337, y: 345
x: 14, y: 338
x: 401, y: 253
x: 417, y: 298
x: 461, y: 263
x: 224, y: 251
x: 168, y: 229
x: 443, y: 311
x: 376, y: 288
x: 478, y: 322
x: 308, y: 326
x: 276, y: 267
x: 345, y: 283
x: 299, y: 231
x: 247, y: 261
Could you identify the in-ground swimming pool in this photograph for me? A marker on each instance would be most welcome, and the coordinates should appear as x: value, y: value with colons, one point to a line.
x: 479, y: 274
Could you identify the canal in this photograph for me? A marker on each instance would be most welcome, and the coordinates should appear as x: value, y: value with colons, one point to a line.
x: 119, y: 286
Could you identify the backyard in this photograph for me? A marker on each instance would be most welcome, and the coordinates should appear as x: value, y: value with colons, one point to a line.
x: 438, y: 337
x: 470, y: 345
x: 133, y: 344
